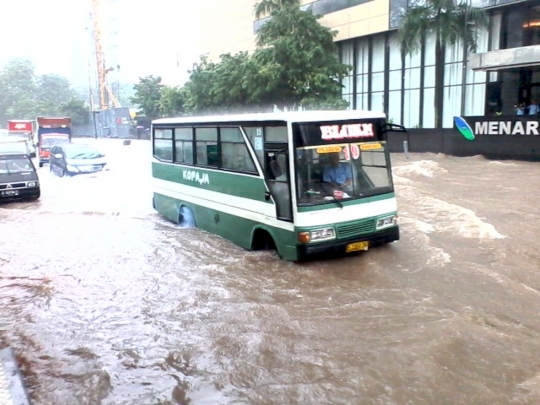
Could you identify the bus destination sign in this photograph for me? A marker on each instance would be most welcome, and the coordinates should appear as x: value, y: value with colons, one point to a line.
x: 348, y: 131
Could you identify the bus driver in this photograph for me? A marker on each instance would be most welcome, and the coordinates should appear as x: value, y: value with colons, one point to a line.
x: 337, y: 174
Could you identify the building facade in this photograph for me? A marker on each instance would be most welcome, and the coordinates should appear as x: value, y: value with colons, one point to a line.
x: 504, y: 71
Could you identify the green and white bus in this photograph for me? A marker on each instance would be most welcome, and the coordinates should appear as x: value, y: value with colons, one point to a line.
x: 305, y: 183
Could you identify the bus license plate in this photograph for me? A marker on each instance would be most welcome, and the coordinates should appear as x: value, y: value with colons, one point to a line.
x: 355, y: 247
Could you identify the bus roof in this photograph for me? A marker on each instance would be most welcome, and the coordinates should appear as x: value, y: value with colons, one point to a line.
x: 289, y: 116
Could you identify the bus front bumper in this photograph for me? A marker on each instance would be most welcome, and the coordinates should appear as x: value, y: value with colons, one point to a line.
x: 339, y: 248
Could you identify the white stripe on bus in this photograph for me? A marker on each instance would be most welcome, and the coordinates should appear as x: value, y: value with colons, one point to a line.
x: 265, y: 212
x: 246, y: 208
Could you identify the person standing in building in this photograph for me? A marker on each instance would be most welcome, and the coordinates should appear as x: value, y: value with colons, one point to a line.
x: 520, y: 109
x: 534, y: 109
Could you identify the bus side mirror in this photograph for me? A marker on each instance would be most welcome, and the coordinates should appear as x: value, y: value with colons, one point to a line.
x: 388, y: 127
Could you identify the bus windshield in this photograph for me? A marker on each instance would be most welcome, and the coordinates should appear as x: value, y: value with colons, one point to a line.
x: 340, y: 161
x: 342, y: 171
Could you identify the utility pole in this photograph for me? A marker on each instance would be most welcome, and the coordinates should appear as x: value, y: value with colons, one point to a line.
x: 91, y: 103
x: 118, y: 82
x: 465, y: 60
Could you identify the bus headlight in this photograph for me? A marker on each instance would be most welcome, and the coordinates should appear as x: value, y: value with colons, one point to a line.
x: 316, y: 235
x: 387, y: 222
x: 323, y: 234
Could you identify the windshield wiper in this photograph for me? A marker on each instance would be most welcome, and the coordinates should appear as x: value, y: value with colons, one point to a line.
x: 336, y: 201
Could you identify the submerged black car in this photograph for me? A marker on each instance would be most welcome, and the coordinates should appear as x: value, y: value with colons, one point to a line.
x: 72, y: 159
x: 18, y: 178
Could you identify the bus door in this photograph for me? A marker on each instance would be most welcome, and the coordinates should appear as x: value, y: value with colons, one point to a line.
x: 276, y: 160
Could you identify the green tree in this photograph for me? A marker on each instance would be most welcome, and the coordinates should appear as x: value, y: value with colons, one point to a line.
x: 451, y: 22
x: 172, y: 102
x: 298, y: 58
x: 227, y: 86
x: 235, y: 83
x: 25, y: 96
x: 24, y: 107
x: 147, y: 96
x: 295, y: 65
x: 77, y: 110
x: 18, y: 84
x: 198, y: 89
x: 51, y: 92
x: 266, y: 7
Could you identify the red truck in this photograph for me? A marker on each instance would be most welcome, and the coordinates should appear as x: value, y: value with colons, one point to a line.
x: 23, y: 129
x: 51, y: 132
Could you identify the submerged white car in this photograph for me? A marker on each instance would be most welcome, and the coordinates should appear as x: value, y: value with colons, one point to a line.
x: 72, y: 159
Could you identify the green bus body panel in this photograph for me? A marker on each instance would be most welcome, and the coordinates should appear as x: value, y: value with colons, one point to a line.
x: 241, y: 230
x: 346, y: 203
x: 236, y: 229
x: 168, y: 207
x: 246, y: 186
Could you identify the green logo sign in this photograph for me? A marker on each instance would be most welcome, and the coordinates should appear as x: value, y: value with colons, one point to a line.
x: 464, y: 128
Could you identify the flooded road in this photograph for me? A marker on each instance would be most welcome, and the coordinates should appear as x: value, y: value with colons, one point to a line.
x: 107, y: 303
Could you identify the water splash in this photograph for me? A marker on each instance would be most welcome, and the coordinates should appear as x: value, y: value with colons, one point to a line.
x: 187, y: 219
x: 427, y: 168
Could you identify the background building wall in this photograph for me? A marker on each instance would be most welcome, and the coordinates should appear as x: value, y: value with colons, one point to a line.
x: 367, y: 41
x: 364, y: 19
x: 228, y: 26
x: 225, y: 27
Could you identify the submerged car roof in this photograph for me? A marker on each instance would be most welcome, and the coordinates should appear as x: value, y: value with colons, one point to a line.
x: 77, y: 145
x: 4, y: 156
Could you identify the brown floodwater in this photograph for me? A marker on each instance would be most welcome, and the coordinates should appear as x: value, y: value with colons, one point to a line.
x: 105, y: 302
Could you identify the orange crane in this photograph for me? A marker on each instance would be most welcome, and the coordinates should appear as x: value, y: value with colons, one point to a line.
x: 105, y: 92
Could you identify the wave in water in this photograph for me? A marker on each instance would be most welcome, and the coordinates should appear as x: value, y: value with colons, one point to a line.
x: 427, y: 168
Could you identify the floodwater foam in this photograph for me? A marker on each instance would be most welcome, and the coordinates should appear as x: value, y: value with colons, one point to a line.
x: 428, y: 168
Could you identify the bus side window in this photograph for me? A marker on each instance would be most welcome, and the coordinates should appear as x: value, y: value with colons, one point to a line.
x: 255, y: 136
x: 206, y: 146
x: 234, y: 152
x: 163, y: 144
x: 259, y: 135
